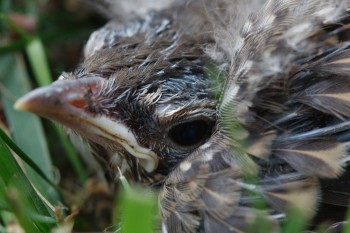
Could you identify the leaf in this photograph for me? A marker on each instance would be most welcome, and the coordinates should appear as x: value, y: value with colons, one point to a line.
x: 38, y: 61
x: 19, y: 194
x: 25, y: 157
x: 26, y: 128
x: 138, y: 205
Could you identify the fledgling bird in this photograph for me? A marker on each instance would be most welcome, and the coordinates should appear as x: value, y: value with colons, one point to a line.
x: 221, y: 104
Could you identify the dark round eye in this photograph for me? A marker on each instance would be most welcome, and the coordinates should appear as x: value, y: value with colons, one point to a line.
x: 190, y: 133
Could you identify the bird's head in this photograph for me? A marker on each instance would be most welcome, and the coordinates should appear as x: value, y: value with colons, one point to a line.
x: 145, y: 99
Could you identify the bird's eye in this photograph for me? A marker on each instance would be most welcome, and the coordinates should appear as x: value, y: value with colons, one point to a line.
x: 190, y: 133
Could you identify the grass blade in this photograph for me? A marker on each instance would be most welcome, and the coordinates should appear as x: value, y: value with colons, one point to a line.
x: 38, y: 61
x: 25, y: 157
x: 19, y: 194
x: 26, y: 129
x: 138, y: 205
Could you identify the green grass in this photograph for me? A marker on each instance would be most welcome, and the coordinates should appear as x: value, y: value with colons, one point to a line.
x: 32, y: 194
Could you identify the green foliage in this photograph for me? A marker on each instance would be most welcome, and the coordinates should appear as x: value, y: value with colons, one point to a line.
x: 138, y: 211
x: 29, y: 195
x: 19, y: 196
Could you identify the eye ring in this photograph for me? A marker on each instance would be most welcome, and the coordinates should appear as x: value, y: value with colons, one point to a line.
x: 191, y: 133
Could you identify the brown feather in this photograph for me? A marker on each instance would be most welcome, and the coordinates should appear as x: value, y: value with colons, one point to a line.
x: 317, y: 157
x: 331, y: 96
x: 301, y: 194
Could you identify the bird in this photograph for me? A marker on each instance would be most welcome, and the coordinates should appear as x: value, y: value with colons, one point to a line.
x: 237, y: 111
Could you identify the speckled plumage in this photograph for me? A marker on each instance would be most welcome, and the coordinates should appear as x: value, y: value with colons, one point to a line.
x: 281, y: 114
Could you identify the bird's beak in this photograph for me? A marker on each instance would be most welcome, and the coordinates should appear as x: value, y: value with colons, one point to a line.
x: 64, y: 101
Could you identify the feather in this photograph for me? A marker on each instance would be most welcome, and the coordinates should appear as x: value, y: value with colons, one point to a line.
x: 301, y: 194
x: 336, y: 63
x: 261, y: 147
x: 324, y: 154
x: 125, y: 10
x: 330, y: 96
